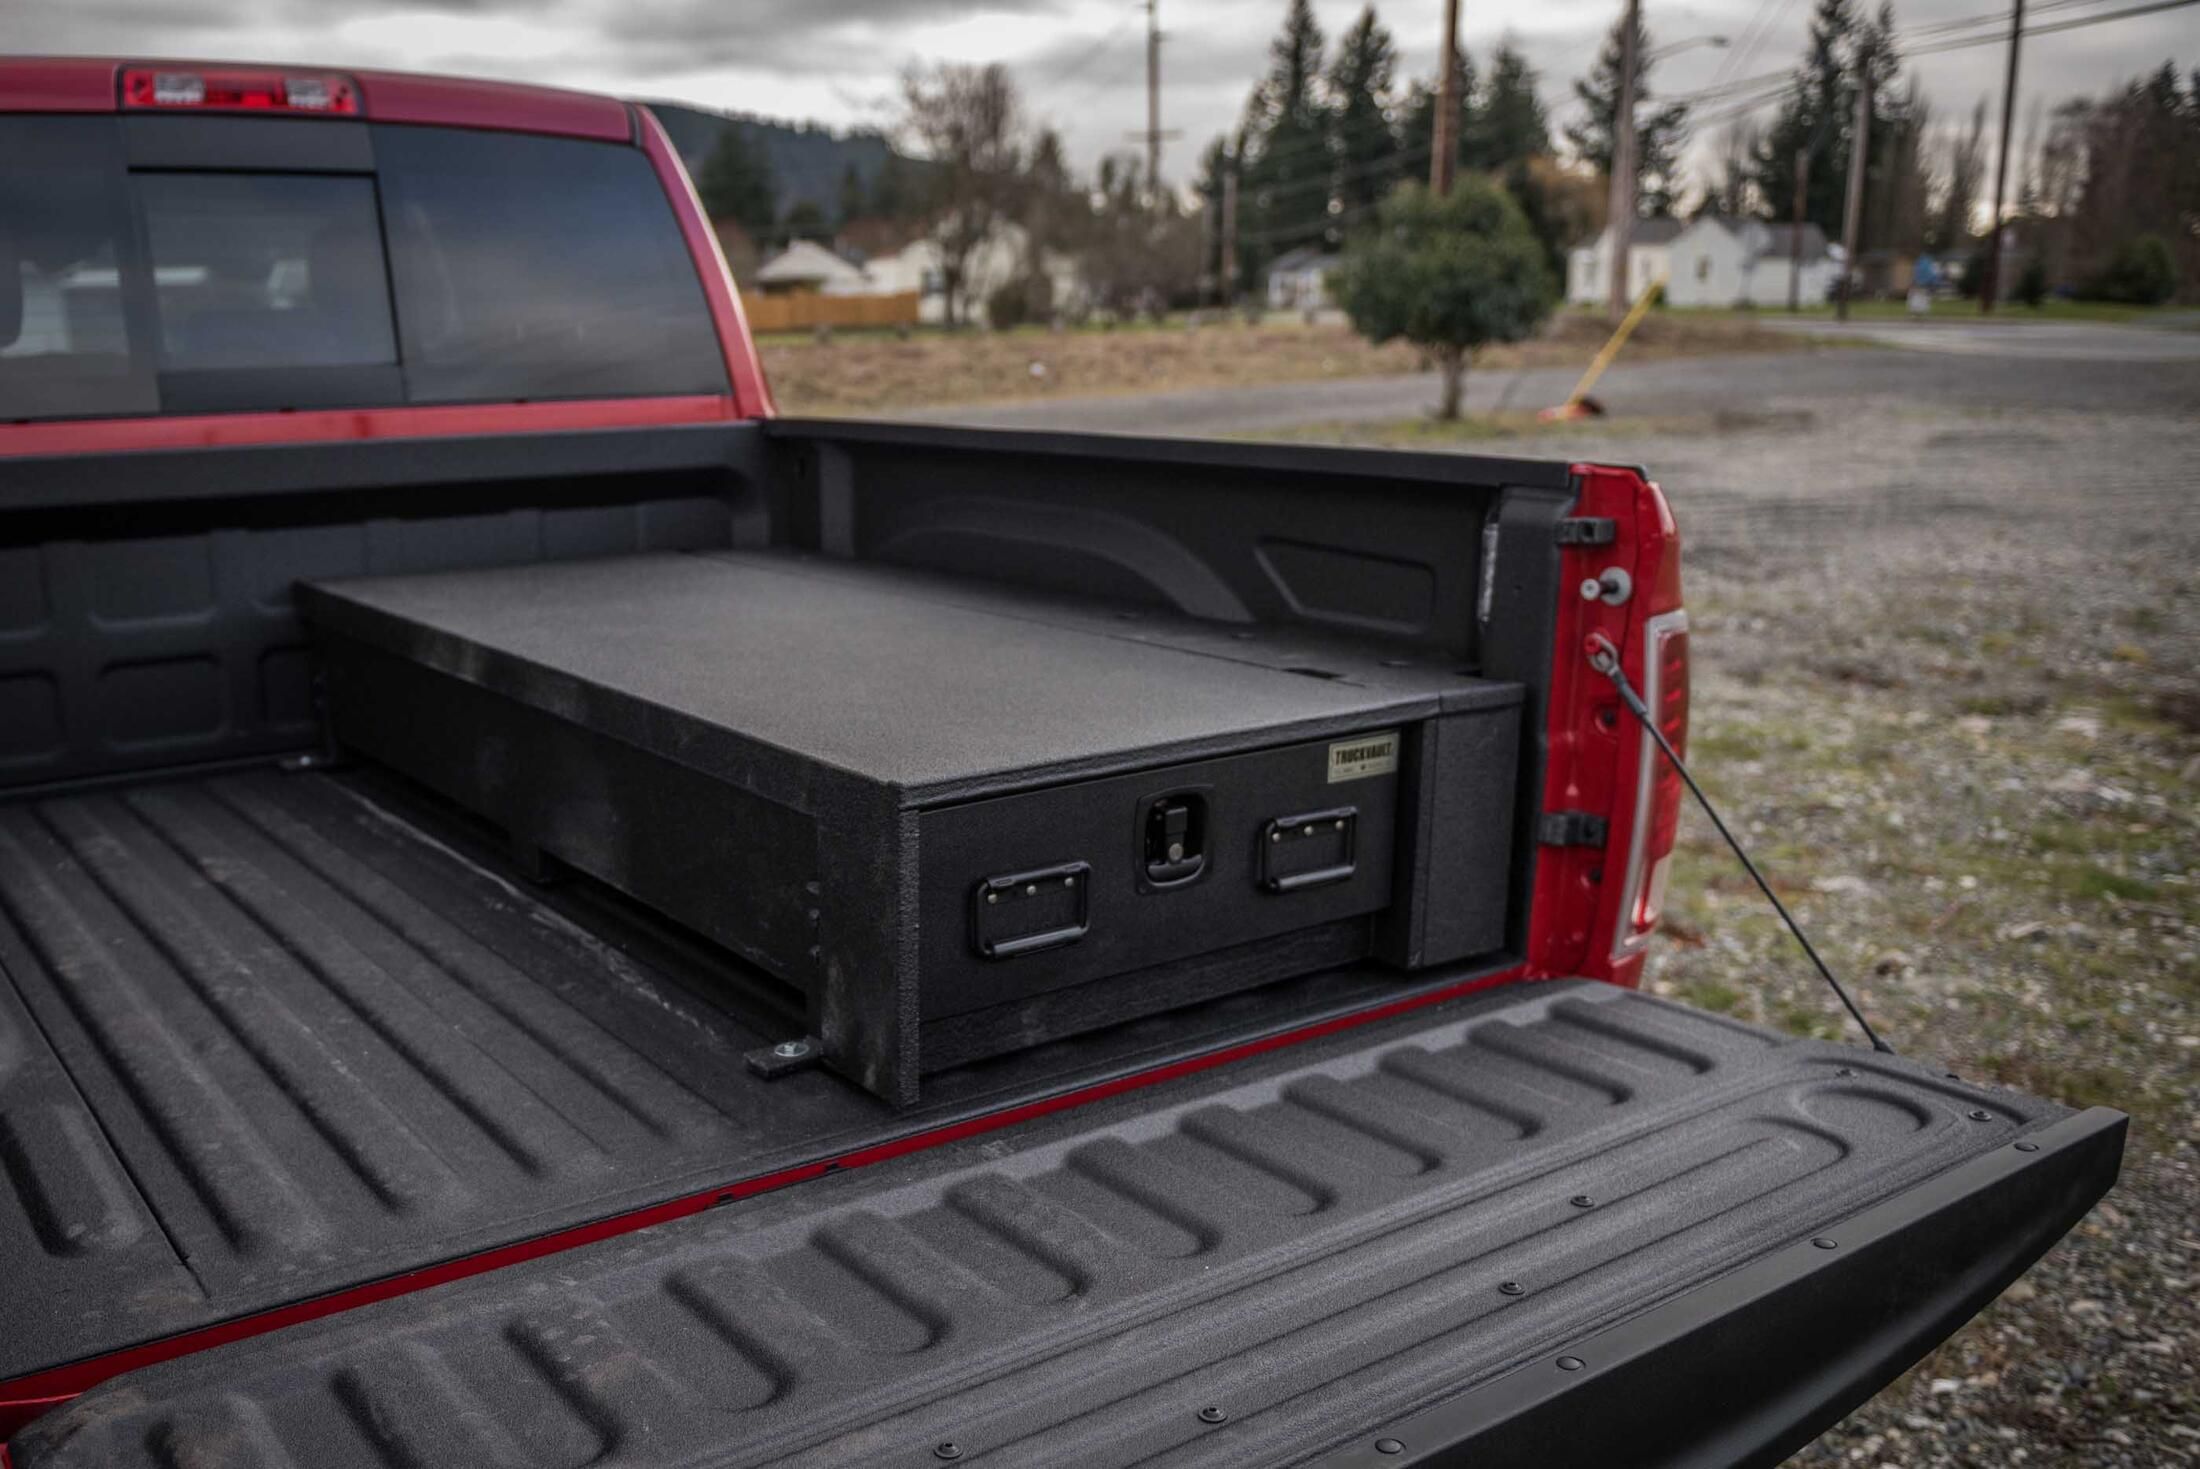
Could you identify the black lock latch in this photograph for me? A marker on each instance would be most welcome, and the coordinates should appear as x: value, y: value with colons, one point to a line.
x: 1173, y: 841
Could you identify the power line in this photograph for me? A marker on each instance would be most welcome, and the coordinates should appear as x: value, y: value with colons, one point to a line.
x: 2079, y: 23
x: 1754, y: 93
x: 1411, y: 154
x: 1082, y: 62
x: 1738, y: 58
x: 1739, y: 107
x: 1997, y: 18
x: 1996, y: 37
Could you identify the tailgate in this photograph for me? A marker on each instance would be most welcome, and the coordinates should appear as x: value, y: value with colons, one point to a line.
x: 1556, y: 1220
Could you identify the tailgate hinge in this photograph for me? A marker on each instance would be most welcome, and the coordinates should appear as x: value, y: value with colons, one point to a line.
x: 1587, y: 530
x: 1570, y: 829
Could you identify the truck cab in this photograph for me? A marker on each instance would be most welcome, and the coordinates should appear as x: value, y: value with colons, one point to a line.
x: 439, y: 1025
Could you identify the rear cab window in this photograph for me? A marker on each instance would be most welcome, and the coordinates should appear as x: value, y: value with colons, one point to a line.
x: 529, y: 267
x: 66, y: 345
x: 163, y: 265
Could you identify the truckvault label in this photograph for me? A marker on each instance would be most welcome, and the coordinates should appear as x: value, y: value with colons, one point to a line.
x: 1363, y: 756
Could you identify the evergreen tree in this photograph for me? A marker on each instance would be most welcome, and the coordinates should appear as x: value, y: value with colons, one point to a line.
x: 804, y: 221
x: 896, y: 190
x: 1814, y: 118
x: 1214, y: 164
x: 1417, y: 126
x: 1284, y: 197
x: 1509, y: 125
x: 1659, y: 135
x: 1448, y: 274
x: 1053, y: 210
x: 1563, y: 205
x: 736, y: 183
x: 851, y: 195
x: 1366, y: 140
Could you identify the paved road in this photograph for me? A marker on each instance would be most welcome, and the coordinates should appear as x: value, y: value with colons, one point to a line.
x: 2038, y: 373
x: 2065, y: 341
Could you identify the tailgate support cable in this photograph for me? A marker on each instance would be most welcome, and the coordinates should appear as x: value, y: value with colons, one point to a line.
x: 1604, y: 658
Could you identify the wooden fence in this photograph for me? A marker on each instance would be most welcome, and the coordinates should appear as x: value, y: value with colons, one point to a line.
x: 802, y: 311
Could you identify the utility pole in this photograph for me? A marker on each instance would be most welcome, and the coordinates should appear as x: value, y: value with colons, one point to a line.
x: 1795, y: 231
x: 1443, y: 161
x: 1621, y: 209
x: 1154, y: 135
x: 1229, y: 228
x: 1859, y: 150
x: 1992, y: 286
x: 1153, y: 97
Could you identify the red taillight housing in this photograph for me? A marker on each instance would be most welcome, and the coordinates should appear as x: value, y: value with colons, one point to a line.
x: 318, y: 94
x: 1658, y: 785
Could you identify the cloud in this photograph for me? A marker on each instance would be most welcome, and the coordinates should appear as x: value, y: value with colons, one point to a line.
x: 1081, y: 62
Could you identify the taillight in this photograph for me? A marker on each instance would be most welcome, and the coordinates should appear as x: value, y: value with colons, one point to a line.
x: 1658, y: 786
x: 313, y: 93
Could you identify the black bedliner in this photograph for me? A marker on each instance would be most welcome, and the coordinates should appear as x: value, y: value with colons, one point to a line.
x: 264, y: 1036
x: 1252, y: 1266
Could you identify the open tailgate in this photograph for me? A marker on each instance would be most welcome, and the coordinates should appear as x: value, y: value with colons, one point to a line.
x: 1553, y: 1223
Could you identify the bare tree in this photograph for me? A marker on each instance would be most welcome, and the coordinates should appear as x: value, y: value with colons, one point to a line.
x: 1141, y: 251
x: 2056, y: 186
x: 1732, y: 192
x: 1899, y: 183
x: 1966, y: 172
x: 968, y: 122
x: 2060, y: 172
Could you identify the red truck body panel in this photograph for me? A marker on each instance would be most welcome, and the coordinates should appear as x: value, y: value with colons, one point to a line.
x: 59, y: 84
x: 81, y: 85
x: 1595, y: 762
x: 93, y: 84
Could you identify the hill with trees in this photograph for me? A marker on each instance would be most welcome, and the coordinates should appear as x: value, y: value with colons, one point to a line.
x: 819, y: 177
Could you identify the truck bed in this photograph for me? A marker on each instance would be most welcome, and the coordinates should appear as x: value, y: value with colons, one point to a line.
x: 1558, y: 1218
x: 266, y: 1036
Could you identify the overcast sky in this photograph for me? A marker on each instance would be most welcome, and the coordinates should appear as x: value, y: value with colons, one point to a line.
x: 1082, y: 62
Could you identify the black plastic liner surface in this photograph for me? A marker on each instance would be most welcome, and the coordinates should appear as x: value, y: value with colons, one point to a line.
x: 263, y: 1037
x: 1241, y: 1267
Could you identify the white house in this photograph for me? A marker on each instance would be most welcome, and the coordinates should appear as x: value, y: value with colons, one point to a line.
x: 1298, y: 280
x: 1000, y: 259
x: 806, y: 265
x: 1589, y: 269
x: 1746, y: 262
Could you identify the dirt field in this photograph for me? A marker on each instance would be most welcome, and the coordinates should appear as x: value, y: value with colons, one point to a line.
x: 1947, y: 683
x: 878, y: 372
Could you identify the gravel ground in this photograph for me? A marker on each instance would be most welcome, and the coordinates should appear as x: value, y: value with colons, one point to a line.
x: 1947, y: 682
x: 1946, y: 652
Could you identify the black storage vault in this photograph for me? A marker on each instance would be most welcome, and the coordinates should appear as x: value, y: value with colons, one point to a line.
x: 958, y: 818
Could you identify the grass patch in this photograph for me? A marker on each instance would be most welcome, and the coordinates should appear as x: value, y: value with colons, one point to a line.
x: 2072, y: 1085
x: 2098, y: 884
x: 1710, y: 994
x: 870, y: 371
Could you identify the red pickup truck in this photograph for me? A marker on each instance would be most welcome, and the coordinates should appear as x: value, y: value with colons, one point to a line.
x: 333, y: 1136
